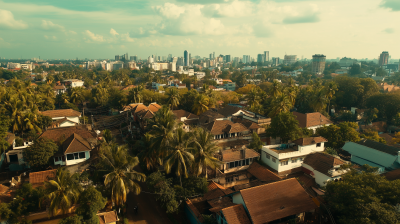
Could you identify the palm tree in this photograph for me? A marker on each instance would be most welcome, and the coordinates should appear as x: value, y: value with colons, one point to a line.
x: 76, y: 96
x: 204, y: 149
x: 280, y: 104
x: 319, y: 101
x: 121, y: 177
x: 148, y: 154
x: 201, y: 104
x: 330, y: 92
x: 15, y: 108
x: 275, y: 89
x: 61, y: 99
x: 162, y: 127
x: 179, y: 158
x: 62, y: 192
x: 30, y: 122
x: 173, y: 97
x: 135, y: 94
x: 253, y: 97
x: 292, y: 94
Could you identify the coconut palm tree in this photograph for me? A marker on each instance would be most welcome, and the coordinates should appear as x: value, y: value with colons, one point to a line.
x: 121, y: 177
x: 15, y: 108
x: 162, y: 126
x: 62, y: 192
x: 280, y: 104
x: 201, y: 104
x: 62, y: 99
x: 76, y: 96
x: 173, y: 97
x: 253, y: 97
x: 148, y: 154
x: 331, y: 89
x: 276, y: 89
x: 318, y: 103
x: 179, y: 158
x: 292, y: 94
x: 204, y: 148
x: 135, y: 94
x: 30, y: 122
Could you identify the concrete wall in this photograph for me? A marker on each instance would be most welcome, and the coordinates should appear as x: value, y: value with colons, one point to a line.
x: 320, y: 178
x: 314, y: 128
x: 76, y: 161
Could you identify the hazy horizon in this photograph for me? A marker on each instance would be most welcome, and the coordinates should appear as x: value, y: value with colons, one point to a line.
x: 102, y: 29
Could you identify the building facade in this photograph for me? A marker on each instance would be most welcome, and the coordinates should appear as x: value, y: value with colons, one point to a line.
x: 318, y: 63
x: 186, y: 58
x: 384, y: 58
x: 289, y: 59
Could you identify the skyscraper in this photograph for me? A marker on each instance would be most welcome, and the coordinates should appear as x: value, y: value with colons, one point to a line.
x: 227, y: 58
x: 260, y: 58
x: 289, y: 59
x: 246, y: 59
x: 186, y: 58
x: 384, y: 58
x: 210, y: 56
x: 318, y: 63
x: 117, y: 57
x: 169, y: 57
x: 275, y: 61
x: 266, y: 56
x: 126, y: 57
x: 213, y: 54
x: 190, y: 59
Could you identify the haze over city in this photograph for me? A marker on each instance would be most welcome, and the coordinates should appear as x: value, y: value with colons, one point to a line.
x: 99, y: 29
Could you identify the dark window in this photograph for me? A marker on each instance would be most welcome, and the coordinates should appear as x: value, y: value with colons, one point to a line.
x: 231, y: 164
x: 318, y: 144
x: 82, y: 155
x: 70, y: 156
x: 243, y: 162
x: 76, y: 155
x: 63, y: 158
x: 56, y: 159
x: 13, y: 158
x: 247, y: 161
x: 236, y: 163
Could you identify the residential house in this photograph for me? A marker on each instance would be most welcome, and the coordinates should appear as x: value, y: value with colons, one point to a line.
x: 15, y: 156
x: 389, y: 88
x: 63, y: 117
x: 278, y: 202
x: 140, y: 113
x: 59, y: 89
x: 226, y: 129
x: 229, y: 86
x: 323, y: 167
x: 236, y: 114
x: 186, y: 118
x: 375, y: 154
x: 233, y: 214
x: 392, y: 175
x: 288, y: 158
x: 74, y: 83
x: 37, y: 179
x: 209, y: 116
x: 73, y: 150
x: 312, y: 121
x: 155, y: 85
x: 110, y: 217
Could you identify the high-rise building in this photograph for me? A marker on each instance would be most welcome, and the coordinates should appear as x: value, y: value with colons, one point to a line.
x: 260, y: 58
x: 190, y: 59
x: 227, y: 58
x: 290, y: 59
x: 275, y: 61
x: 318, y: 63
x: 213, y: 55
x: 169, y: 57
x: 133, y: 58
x: 117, y: 57
x: 384, y: 58
x: 210, y: 56
x: 186, y: 58
x: 246, y: 59
x: 126, y: 57
x: 266, y: 56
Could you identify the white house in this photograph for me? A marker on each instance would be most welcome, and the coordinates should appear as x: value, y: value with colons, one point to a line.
x: 63, y: 117
x: 188, y: 119
x: 74, y: 82
x: 288, y: 158
x: 312, y: 121
x: 323, y: 167
x: 16, y: 154
x: 375, y: 154
x: 74, y: 150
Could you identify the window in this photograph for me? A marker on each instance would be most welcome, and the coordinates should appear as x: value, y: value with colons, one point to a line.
x: 229, y: 179
x: 82, y: 155
x: 267, y: 155
x: 70, y: 157
x: 318, y: 144
x: 284, y: 163
x: 231, y: 164
x: 76, y: 155
x: 243, y: 163
x: 247, y: 161
x: 56, y: 159
x: 294, y: 160
x: 236, y: 163
x: 273, y: 160
x: 301, y: 159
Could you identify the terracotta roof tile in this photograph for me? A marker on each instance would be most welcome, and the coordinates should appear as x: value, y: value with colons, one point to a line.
x: 10, y: 137
x: 3, y: 189
x: 42, y: 176
x: 212, y: 185
x: 61, y: 113
x: 209, y: 116
x: 388, y: 138
x: 309, y: 141
x: 280, y: 199
x: 59, y: 87
x: 183, y: 113
x: 311, y: 119
x: 146, y: 113
x: 218, y: 204
x: 108, y: 217
x: 238, y: 143
x: 195, y: 211
x: 236, y: 215
x: 219, y: 127
x: 248, y: 185
x: 229, y: 110
x: 75, y: 143
x: 135, y: 107
x: 262, y: 173
x: 250, y: 125
x: 322, y: 162
x: 57, y: 134
x: 392, y: 175
x: 154, y: 107
x: 216, y: 193
x: 231, y: 155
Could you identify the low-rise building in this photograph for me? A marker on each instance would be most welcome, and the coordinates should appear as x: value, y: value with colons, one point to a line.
x: 74, y: 83
x: 288, y: 158
x: 73, y: 150
x: 312, y: 121
x: 63, y: 117
x: 59, y: 89
x: 186, y: 118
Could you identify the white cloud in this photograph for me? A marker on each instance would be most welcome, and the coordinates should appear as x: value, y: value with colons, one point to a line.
x: 127, y: 38
x: 72, y: 32
x: 48, y: 25
x: 170, y: 10
x: 234, y: 9
x: 94, y: 37
x: 7, y: 21
x: 3, y: 43
x: 113, y: 32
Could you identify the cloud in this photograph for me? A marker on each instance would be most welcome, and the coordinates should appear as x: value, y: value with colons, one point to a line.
x: 313, y: 18
x: 93, y: 37
x: 7, y: 21
x: 235, y: 9
x: 388, y: 30
x: 127, y: 38
x: 51, y: 38
x: 394, y: 5
x: 113, y: 32
x: 48, y: 25
x: 170, y: 11
x: 203, y: 2
x: 72, y: 32
x: 4, y: 43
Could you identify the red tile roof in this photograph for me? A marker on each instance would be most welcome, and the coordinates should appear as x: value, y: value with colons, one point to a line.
x: 392, y: 175
x: 236, y: 215
x: 212, y: 185
x: 309, y: 141
x: 61, y: 113
x: 262, y: 173
x: 57, y: 134
x: 108, y: 217
x: 183, y: 113
x: 75, y: 143
x: 195, y: 211
x: 311, y: 119
x: 322, y: 162
x: 277, y: 200
x: 216, y: 193
x: 154, y: 107
x: 218, y: 204
x: 231, y: 155
x: 42, y: 176
x: 219, y: 127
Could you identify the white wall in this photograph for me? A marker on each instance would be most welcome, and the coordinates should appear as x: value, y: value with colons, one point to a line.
x: 314, y: 128
x: 320, y: 178
x: 238, y: 199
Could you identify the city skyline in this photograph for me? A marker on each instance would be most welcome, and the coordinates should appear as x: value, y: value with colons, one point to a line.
x: 100, y: 29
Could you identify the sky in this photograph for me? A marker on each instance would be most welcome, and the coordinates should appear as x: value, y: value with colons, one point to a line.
x: 54, y: 29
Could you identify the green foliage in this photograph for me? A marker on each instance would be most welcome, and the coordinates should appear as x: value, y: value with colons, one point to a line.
x: 40, y: 153
x: 107, y: 135
x: 90, y: 202
x: 31, y: 197
x: 388, y: 104
x: 347, y: 116
x: 372, y: 135
x: 370, y: 115
x: 363, y: 197
x: 209, y: 219
x: 165, y: 193
x: 5, y: 123
x: 44, y: 121
x: 331, y: 151
x: 69, y: 106
x: 75, y: 219
x: 285, y: 126
x: 256, y: 142
x: 337, y: 135
x: 307, y: 132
